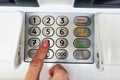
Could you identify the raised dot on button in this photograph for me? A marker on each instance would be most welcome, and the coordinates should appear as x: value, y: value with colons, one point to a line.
x: 34, y: 20
x: 81, y: 43
x: 61, y: 54
x: 62, y: 20
x: 81, y: 54
x: 34, y: 42
x: 62, y: 43
x: 81, y: 32
x: 34, y: 31
x: 48, y: 20
x: 50, y: 54
x: 62, y: 31
x: 51, y: 42
x: 82, y: 21
x: 32, y: 52
x: 48, y: 31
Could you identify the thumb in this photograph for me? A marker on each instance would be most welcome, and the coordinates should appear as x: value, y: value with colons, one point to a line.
x: 57, y: 72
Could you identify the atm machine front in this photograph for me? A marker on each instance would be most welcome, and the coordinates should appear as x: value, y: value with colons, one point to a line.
x: 83, y: 34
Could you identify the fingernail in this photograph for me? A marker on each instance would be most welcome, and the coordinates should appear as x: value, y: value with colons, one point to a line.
x: 45, y: 43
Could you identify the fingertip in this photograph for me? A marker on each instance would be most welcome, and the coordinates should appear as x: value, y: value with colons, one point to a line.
x: 45, y: 43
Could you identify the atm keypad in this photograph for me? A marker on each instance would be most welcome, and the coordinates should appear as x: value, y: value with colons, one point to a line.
x: 71, y: 36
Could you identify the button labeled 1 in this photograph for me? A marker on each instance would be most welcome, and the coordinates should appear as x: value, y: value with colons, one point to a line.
x: 34, y: 20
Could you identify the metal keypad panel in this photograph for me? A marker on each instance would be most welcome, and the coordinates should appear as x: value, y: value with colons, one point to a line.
x: 71, y: 36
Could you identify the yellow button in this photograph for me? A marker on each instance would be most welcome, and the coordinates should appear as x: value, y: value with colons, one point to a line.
x: 81, y: 32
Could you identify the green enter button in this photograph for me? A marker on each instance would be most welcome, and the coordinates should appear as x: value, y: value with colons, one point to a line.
x: 81, y: 43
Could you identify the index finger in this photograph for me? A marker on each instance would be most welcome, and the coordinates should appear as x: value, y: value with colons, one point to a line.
x: 37, y: 62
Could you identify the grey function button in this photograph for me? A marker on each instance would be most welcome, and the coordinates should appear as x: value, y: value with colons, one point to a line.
x: 61, y: 54
x: 50, y: 54
x: 48, y: 31
x: 81, y: 54
x: 32, y: 52
x: 34, y: 20
x: 51, y: 42
x: 62, y: 20
x: 62, y: 43
x: 48, y: 20
x: 62, y: 32
x: 82, y: 21
x: 34, y: 42
x: 34, y: 31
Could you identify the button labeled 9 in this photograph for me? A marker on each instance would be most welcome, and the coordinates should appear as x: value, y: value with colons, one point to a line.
x: 62, y: 42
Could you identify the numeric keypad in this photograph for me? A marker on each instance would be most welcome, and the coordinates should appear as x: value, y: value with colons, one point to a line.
x: 70, y: 35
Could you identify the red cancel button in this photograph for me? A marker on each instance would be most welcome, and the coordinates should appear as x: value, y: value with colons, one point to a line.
x: 82, y: 21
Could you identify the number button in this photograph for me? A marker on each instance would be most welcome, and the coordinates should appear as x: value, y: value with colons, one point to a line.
x: 48, y: 20
x: 81, y: 32
x: 48, y: 31
x: 34, y: 20
x: 34, y: 31
x: 81, y: 54
x: 50, y: 54
x: 82, y: 21
x: 62, y: 43
x: 34, y: 42
x: 81, y: 43
x: 62, y: 31
x: 32, y: 52
x: 62, y: 20
x: 61, y: 54
x: 51, y: 42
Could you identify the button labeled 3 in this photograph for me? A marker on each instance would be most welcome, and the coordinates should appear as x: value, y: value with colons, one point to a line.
x: 62, y: 20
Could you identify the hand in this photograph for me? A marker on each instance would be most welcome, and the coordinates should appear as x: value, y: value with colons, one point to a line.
x: 37, y: 62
